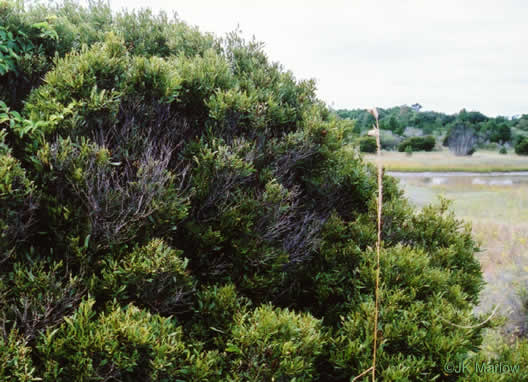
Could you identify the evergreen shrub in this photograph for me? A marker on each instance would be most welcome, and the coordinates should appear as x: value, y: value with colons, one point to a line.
x: 175, y: 206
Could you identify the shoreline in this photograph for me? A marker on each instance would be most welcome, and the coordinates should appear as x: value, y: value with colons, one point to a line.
x: 460, y: 172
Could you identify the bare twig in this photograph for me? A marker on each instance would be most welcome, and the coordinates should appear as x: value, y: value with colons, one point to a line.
x: 362, y: 374
x: 472, y: 326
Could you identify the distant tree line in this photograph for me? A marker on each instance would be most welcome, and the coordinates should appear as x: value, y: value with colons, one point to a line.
x: 408, y: 121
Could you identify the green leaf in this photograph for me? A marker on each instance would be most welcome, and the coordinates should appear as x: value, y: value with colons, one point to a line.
x: 16, y: 115
x: 233, y: 349
x: 86, y: 241
x: 40, y: 25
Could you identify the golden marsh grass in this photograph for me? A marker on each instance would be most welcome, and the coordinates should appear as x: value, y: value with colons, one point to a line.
x: 480, y: 161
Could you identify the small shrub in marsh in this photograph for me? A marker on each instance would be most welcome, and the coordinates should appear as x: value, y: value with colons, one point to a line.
x: 367, y: 145
x: 426, y: 143
x: 521, y: 148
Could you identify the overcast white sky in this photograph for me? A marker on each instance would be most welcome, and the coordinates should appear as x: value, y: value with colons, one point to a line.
x: 444, y: 54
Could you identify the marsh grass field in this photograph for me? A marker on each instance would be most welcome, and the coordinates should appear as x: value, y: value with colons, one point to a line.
x: 497, y: 207
x: 480, y: 161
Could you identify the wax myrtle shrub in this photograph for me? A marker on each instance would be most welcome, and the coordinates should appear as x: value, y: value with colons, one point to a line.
x: 177, y: 207
x: 83, y: 91
x: 75, y: 25
x: 149, y: 34
x: 214, y: 311
x: 94, y: 90
x: 271, y: 98
x: 243, y: 220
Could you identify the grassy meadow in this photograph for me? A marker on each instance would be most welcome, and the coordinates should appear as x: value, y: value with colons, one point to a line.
x: 480, y: 161
x: 497, y: 207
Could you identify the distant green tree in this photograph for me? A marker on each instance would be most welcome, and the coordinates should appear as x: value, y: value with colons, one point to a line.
x: 522, y: 123
x: 489, y: 130
x: 521, y: 148
x: 505, y: 133
x: 393, y: 124
x: 471, y: 117
x: 497, y: 132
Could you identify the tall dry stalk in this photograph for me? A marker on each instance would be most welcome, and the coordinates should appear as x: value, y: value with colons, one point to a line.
x: 376, y: 133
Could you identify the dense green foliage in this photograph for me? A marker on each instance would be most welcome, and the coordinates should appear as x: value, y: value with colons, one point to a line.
x: 176, y: 207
